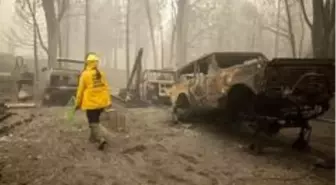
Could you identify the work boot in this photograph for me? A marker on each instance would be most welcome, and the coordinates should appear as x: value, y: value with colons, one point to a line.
x: 93, y: 133
x: 96, y: 136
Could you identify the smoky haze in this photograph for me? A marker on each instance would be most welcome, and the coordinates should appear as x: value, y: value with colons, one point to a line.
x: 199, y: 93
x: 171, y: 32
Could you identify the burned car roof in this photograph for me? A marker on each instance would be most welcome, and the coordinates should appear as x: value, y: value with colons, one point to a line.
x: 64, y: 71
x: 67, y: 60
x: 223, y: 58
x: 160, y: 70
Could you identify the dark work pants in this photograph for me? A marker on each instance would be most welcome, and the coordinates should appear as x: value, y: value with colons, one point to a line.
x: 93, y: 115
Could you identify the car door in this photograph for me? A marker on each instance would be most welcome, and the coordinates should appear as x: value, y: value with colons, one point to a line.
x: 199, y: 87
x: 211, y: 83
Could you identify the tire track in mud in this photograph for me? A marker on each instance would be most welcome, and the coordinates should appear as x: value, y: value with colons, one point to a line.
x: 168, y: 163
x: 178, y: 166
x: 149, y: 156
x: 157, y: 165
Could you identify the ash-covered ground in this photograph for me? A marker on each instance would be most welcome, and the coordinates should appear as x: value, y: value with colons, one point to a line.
x: 45, y: 149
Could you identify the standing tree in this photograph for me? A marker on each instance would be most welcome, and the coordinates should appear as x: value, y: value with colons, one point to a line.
x: 28, y: 20
x: 87, y: 26
x: 291, y: 36
x: 54, y: 12
x: 151, y: 28
x: 52, y: 30
x: 173, y: 33
x: 322, y: 27
x: 287, y: 13
x: 160, y: 8
x: 127, y: 39
x: 181, y: 32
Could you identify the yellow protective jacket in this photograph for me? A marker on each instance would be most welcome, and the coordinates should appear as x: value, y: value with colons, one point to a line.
x: 92, y: 93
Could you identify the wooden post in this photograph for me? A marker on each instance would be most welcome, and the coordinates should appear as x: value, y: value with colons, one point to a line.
x: 135, y: 68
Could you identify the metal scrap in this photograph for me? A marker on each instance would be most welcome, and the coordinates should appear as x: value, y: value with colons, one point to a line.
x: 20, y: 105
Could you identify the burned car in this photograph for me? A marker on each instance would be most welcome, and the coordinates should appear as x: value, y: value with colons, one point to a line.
x: 155, y: 84
x: 24, y: 80
x: 151, y: 87
x: 203, y: 84
x: 61, y: 84
x: 271, y: 94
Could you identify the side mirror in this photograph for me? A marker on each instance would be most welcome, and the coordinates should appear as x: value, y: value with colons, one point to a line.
x: 44, y: 69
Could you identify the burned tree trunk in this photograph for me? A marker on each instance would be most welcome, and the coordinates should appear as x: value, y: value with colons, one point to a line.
x: 173, y: 34
x: 181, y: 32
x: 290, y: 29
x: 87, y: 26
x: 127, y: 40
x: 151, y: 29
x: 322, y: 27
x: 318, y: 30
x: 52, y: 29
x: 162, y: 42
x: 115, y: 49
x: 276, y: 43
x: 302, y: 36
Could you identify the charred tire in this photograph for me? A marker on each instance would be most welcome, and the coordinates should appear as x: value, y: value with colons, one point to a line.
x: 181, y: 111
x: 46, y: 103
x: 240, y: 101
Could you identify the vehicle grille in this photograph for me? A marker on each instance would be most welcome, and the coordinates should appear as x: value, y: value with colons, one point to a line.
x: 166, y: 86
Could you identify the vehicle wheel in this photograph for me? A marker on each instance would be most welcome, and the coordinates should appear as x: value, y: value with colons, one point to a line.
x: 180, y: 115
x: 181, y: 111
x: 46, y: 102
x: 255, y: 148
x: 301, y: 145
x: 240, y: 101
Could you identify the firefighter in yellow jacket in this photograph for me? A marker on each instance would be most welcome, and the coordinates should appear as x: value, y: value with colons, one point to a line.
x: 93, y: 96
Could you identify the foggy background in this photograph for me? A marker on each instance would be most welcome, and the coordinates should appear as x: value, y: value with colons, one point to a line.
x: 171, y: 32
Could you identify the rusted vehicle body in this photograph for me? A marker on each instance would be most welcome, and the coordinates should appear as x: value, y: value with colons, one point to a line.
x: 8, y: 87
x: 155, y: 84
x: 202, y: 83
x: 61, y: 84
x: 24, y: 80
x: 272, y: 94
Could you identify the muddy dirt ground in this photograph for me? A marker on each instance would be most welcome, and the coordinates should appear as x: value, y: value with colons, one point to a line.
x: 51, y: 151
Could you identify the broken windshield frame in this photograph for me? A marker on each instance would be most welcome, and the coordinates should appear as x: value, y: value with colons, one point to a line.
x: 159, y: 75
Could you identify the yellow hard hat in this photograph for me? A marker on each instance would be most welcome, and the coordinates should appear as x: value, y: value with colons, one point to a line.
x: 92, y: 57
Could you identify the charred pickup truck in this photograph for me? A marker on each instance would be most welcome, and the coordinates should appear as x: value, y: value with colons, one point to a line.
x: 152, y: 89
x: 60, y: 84
x: 271, y: 94
x: 155, y: 84
x: 24, y: 80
